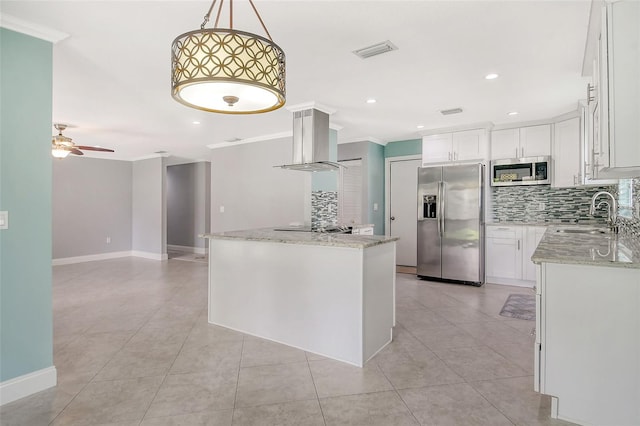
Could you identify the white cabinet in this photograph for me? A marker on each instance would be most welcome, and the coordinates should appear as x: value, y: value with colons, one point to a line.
x: 614, y: 101
x: 508, y: 254
x: 532, y: 237
x: 504, y: 246
x: 566, y: 154
x: 436, y: 149
x: 468, y: 145
x: 531, y: 141
x: 587, y: 342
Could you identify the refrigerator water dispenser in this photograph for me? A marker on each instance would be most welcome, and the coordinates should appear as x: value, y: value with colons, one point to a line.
x: 428, y: 206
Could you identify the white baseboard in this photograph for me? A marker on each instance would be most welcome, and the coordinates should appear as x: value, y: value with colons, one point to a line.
x: 149, y: 255
x: 105, y: 256
x: 89, y: 258
x: 509, y: 281
x: 187, y: 249
x: 27, y: 384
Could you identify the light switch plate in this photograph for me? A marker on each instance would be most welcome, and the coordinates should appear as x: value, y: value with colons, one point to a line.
x: 4, y: 220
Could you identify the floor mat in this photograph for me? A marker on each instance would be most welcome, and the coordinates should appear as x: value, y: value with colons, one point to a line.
x: 521, y: 306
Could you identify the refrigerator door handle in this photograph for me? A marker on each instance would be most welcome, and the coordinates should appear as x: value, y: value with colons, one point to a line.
x: 442, y: 205
x: 439, y: 209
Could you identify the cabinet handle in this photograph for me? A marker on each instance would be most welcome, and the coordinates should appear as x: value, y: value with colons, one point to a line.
x: 449, y: 156
x: 516, y: 152
x: 522, y: 149
x: 590, y: 97
x: 518, y: 244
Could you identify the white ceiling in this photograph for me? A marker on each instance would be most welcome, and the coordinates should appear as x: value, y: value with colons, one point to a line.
x: 111, y: 78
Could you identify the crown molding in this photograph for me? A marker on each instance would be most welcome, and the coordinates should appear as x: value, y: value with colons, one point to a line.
x: 311, y: 105
x: 29, y: 28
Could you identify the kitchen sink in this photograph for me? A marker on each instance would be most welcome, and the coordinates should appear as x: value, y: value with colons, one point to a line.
x: 582, y: 231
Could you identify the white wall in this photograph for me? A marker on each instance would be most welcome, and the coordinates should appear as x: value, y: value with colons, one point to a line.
x: 188, y: 203
x: 91, y: 201
x: 149, y: 208
x: 253, y: 193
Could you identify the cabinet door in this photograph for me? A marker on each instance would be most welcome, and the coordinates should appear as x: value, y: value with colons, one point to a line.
x: 532, y: 237
x: 505, y: 144
x: 469, y: 145
x: 623, y: 71
x: 600, y: 108
x: 504, y: 252
x: 535, y: 141
x: 566, y: 153
x: 436, y: 149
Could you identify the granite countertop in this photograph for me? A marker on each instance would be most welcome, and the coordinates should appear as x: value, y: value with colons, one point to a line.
x: 301, y: 237
x: 616, y: 250
x: 543, y: 223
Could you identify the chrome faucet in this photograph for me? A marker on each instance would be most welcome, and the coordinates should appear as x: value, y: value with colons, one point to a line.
x: 612, y: 208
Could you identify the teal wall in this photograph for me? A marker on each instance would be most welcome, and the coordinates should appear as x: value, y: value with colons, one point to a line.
x: 327, y: 181
x: 375, y: 176
x: 400, y: 148
x: 26, y: 330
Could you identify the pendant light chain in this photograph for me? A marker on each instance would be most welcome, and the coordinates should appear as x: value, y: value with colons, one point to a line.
x: 215, y: 25
x: 206, y: 17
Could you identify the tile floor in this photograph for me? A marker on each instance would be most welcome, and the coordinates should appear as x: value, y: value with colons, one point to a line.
x: 132, y: 347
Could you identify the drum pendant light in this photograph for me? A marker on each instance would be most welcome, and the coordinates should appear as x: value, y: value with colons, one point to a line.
x: 227, y: 71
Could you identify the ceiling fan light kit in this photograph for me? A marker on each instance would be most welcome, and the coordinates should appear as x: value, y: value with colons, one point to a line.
x: 62, y: 146
x: 227, y: 71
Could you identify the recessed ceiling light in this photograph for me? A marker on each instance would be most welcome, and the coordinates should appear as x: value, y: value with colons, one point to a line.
x: 420, y: 126
x: 371, y: 101
x: 195, y: 122
x: 491, y: 76
x: 513, y: 113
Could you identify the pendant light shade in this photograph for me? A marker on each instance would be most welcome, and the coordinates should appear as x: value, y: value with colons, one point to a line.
x: 227, y: 71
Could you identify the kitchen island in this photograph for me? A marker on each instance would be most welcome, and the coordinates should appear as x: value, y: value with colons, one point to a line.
x: 329, y: 294
x: 587, y: 350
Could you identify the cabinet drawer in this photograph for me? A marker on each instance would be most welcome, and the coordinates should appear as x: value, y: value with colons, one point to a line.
x: 502, y: 232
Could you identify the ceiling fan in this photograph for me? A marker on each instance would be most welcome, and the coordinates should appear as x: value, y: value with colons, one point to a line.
x: 61, y: 146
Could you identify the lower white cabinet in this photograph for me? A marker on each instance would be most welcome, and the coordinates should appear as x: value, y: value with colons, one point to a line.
x: 532, y: 237
x: 587, y: 350
x: 508, y: 254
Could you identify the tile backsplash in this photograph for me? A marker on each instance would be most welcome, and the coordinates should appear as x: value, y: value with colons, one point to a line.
x: 632, y: 225
x: 324, y: 209
x: 522, y: 204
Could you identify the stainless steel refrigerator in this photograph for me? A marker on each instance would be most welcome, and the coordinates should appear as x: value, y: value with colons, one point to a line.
x: 451, y: 223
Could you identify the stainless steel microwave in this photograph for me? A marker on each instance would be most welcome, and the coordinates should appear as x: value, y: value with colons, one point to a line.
x: 521, y: 171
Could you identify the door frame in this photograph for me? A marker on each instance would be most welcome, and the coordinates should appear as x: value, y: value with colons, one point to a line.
x: 387, y: 186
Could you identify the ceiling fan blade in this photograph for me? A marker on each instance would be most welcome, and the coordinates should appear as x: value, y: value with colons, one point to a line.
x: 93, y: 148
x: 76, y: 151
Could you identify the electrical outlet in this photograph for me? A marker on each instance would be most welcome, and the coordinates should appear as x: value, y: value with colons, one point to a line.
x: 4, y: 220
x: 108, y: 240
x: 375, y: 207
x: 221, y: 209
x: 541, y: 206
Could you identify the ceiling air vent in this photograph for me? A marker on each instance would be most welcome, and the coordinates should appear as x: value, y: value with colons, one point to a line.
x: 376, y: 49
x: 451, y: 111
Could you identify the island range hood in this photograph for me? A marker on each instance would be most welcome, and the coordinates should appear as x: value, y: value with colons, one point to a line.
x: 311, y: 142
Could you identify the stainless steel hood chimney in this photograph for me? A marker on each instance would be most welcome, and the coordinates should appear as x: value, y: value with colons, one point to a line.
x: 311, y: 142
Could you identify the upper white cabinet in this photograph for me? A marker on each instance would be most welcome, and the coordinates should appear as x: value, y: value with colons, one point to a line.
x: 463, y: 146
x: 566, y: 154
x: 531, y: 141
x: 436, y: 149
x: 614, y: 101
